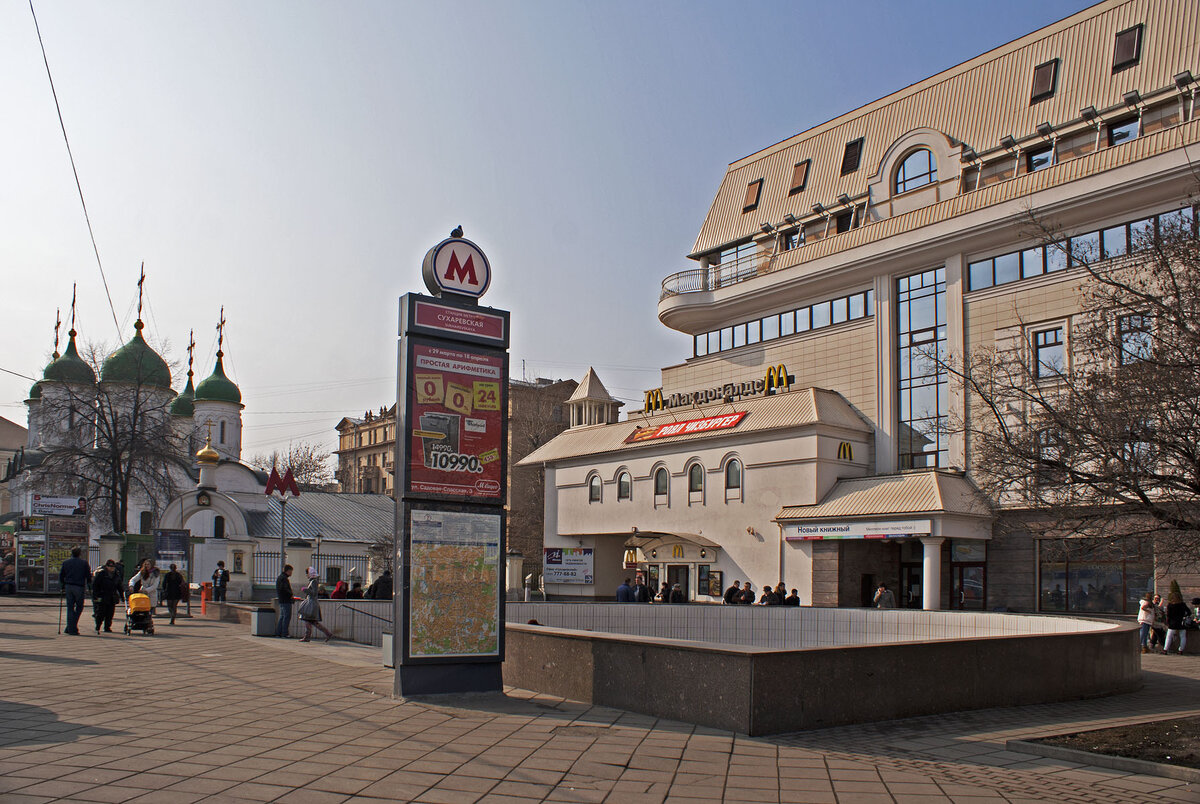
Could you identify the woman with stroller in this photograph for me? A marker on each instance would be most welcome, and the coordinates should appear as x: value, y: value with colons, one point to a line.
x: 310, y: 609
x: 145, y: 580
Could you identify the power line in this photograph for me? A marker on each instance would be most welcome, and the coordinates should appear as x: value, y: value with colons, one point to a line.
x: 17, y: 374
x: 78, y: 186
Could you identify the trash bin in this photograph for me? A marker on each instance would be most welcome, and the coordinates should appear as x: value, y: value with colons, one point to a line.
x: 388, y: 656
x: 262, y: 622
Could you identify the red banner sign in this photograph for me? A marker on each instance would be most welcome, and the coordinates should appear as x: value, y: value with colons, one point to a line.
x: 456, y: 320
x: 456, y: 423
x: 686, y: 428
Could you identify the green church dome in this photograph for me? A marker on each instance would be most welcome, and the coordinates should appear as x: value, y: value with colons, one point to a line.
x: 70, y: 367
x: 218, y: 387
x: 35, y: 392
x: 136, y: 363
x: 183, y: 404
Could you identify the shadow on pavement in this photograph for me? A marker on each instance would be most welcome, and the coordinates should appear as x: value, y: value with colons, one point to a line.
x: 22, y: 636
x: 33, y: 657
x: 34, y: 725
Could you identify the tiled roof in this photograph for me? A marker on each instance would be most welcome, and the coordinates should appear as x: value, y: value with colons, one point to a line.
x: 932, y: 492
x: 799, y: 408
x: 591, y: 388
x: 357, y: 518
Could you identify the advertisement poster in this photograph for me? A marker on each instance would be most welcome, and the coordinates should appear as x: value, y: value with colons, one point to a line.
x: 31, y: 563
x: 568, y: 565
x: 456, y: 423
x: 8, y: 559
x: 59, y: 506
x: 455, y: 583
x: 171, y: 547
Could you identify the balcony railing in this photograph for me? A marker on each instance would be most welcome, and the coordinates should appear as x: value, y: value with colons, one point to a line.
x: 717, y: 276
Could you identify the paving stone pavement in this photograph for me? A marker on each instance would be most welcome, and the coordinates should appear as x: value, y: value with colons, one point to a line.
x: 204, y: 712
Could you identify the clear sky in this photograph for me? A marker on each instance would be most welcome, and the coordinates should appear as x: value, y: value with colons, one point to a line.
x: 293, y: 161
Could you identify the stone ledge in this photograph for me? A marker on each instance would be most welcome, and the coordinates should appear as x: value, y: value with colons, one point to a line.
x: 1139, y: 766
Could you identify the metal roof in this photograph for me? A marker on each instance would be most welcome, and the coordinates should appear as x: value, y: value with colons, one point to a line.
x: 590, y: 388
x: 360, y: 518
x: 975, y: 103
x: 932, y: 492
x: 798, y: 408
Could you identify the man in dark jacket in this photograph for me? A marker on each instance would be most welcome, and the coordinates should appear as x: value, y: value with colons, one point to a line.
x: 283, y: 591
x: 220, y: 578
x: 106, y: 593
x: 382, y: 588
x: 734, y: 593
x: 641, y: 593
x: 174, y: 590
x: 74, y: 576
x: 625, y: 592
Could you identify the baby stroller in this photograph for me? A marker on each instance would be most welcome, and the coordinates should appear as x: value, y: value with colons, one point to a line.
x: 137, y: 614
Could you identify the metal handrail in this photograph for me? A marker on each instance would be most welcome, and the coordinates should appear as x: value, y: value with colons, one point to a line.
x: 367, y: 614
x: 721, y: 275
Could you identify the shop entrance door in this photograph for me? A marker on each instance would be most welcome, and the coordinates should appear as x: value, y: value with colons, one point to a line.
x: 970, y: 587
x: 678, y: 574
x: 910, y: 586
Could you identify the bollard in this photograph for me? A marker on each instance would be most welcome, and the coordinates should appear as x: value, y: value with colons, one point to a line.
x: 205, y: 596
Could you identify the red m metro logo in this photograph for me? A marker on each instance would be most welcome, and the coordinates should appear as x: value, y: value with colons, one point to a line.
x: 456, y: 266
x: 464, y: 273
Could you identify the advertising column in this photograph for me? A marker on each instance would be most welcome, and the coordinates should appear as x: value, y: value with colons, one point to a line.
x: 451, y: 479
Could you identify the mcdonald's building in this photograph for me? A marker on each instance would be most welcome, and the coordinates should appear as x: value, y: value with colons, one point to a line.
x: 807, y: 436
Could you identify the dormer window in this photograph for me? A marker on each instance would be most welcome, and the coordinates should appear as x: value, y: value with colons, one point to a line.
x: 1045, y: 81
x: 852, y: 156
x: 1127, y: 50
x: 753, y: 191
x: 917, y: 170
x: 799, y: 176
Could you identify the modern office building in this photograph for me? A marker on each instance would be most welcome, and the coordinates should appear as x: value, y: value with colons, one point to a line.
x: 805, y: 439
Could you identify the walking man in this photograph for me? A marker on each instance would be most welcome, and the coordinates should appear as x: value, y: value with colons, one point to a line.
x: 74, y: 576
x: 283, y: 591
x: 106, y: 593
x: 220, y: 582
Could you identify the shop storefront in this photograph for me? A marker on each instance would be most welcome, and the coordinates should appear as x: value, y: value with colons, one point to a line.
x: 1096, y: 576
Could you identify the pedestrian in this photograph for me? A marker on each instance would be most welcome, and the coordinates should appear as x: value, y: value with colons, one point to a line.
x: 356, y: 591
x: 382, y: 588
x: 1158, y: 633
x: 310, y: 609
x: 339, y: 591
x: 748, y: 597
x: 625, y: 592
x: 677, y: 595
x: 884, y: 599
x: 1145, y: 621
x: 780, y: 592
x: 769, y: 596
x: 74, y: 576
x: 220, y: 579
x: 1177, y: 612
x: 641, y: 593
x: 173, y: 586
x: 145, y: 580
x: 106, y: 593
x: 284, y: 596
x: 733, y: 594
x: 793, y: 599
x: 664, y: 593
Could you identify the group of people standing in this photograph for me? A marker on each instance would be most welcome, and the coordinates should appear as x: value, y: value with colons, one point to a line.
x: 771, y: 595
x: 1165, y: 627
x: 108, y: 588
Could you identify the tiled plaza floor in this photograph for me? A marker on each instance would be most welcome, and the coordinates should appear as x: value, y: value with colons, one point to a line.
x: 203, y: 712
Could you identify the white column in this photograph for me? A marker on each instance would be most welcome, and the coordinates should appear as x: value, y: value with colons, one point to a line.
x: 886, y: 409
x: 931, y: 571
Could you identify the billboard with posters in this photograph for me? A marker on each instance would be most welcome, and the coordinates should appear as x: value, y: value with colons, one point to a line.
x: 568, y: 565
x: 456, y: 415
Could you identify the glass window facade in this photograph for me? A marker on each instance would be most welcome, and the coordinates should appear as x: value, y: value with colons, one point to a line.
x: 921, y: 324
x: 1094, y: 575
x: 1115, y: 241
x: 780, y: 325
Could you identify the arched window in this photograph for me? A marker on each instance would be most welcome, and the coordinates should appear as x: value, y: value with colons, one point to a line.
x: 594, y: 489
x: 662, y: 486
x: 146, y: 523
x: 219, y: 528
x: 733, y: 475
x: 918, y: 169
x: 624, y: 486
x: 695, y: 479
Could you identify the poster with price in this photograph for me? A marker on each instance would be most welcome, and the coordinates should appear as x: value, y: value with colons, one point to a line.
x: 456, y: 423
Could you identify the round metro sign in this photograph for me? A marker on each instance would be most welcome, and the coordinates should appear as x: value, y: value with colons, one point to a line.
x: 458, y: 266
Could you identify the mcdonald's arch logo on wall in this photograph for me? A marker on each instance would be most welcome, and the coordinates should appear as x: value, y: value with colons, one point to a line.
x: 677, y: 551
x: 845, y: 451
x: 775, y: 380
x: 654, y: 400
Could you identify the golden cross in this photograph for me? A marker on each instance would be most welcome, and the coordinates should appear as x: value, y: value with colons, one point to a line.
x: 141, y: 281
x: 221, y: 329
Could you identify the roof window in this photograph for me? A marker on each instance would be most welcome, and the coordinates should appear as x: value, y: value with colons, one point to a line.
x: 1045, y: 81
x: 753, y: 191
x: 799, y: 176
x: 852, y: 156
x: 1128, y: 49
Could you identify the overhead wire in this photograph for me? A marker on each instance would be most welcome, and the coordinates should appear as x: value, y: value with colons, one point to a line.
x: 74, y: 170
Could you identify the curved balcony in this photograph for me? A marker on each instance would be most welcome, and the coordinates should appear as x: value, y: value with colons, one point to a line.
x: 716, y: 276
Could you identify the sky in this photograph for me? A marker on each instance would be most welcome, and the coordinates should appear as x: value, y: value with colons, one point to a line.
x: 293, y: 162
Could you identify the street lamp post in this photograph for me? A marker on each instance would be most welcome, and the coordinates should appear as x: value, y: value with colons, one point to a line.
x: 317, y: 557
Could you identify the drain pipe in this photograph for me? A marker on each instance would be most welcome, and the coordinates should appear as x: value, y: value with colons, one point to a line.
x: 781, y: 544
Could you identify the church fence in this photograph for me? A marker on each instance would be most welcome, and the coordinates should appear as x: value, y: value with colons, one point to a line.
x: 266, y: 568
x: 333, y: 568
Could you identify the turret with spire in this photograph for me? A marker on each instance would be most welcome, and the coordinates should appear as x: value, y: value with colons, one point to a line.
x: 218, y: 399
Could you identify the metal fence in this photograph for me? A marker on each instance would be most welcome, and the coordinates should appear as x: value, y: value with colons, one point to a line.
x: 333, y: 568
x: 361, y: 621
x: 94, y: 557
x: 266, y: 568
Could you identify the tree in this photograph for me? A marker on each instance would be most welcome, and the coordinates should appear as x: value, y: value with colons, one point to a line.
x: 1096, y: 435
x: 111, y: 441
x: 308, y: 462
